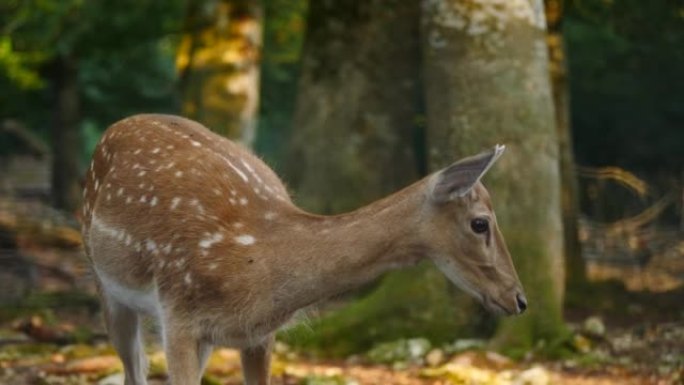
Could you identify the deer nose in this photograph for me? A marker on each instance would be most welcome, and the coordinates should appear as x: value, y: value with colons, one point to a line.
x: 522, y: 302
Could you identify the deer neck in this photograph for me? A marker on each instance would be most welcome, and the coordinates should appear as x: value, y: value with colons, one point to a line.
x: 323, y: 256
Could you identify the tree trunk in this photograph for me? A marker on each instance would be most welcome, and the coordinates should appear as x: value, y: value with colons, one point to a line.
x: 487, y: 82
x: 66, y: 135
x: 357, y: 104
x: 355, y: 139
x: 218, y: 64
x: 575, y: 268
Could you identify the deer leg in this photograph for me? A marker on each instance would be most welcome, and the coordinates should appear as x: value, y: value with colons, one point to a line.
x: 204, y: 351
x: 256, y: 363
x: 123, y: 326
x: 182, y: 356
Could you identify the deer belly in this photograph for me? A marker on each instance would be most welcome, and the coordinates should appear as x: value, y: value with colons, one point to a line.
x: 141, y: 300
x: 234, y: 331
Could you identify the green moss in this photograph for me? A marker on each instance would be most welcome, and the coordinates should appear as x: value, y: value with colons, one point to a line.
x: 208, y: 379
x: 541, y: 327
x: 400, y: 351
x: 43, y: 303
x: 410, y: 303
x: 326, y: 380
x: 42, y: 351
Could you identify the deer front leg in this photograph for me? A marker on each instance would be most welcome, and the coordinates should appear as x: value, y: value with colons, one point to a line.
x: 123, y: 325
x: 204, y: 351
x: 256, y: 362
x: 183, y: 356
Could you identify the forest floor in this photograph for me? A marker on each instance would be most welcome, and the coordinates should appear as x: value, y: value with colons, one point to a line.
x: 56, y: 337
x: 625, y: 356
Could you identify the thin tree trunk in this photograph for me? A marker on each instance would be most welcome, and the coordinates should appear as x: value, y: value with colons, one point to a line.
x: 66, y: 136
x: 575, y: 268
x: 487, y: 82
x: 218, y: 63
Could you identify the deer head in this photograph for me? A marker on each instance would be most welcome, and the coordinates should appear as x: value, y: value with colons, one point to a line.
x: 464, y: 239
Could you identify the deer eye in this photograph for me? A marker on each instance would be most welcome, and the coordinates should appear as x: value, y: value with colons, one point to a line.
x: 479, y: 225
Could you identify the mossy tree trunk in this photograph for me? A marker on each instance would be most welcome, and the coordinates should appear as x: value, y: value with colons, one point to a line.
x: 575, y: 268
x: 218, y: 64
x: 355, y: 140
x: 487, y: 82
x: 354, y: 123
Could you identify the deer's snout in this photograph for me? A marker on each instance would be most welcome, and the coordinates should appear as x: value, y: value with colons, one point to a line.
x: 521, y: 302
x: 508, y: 302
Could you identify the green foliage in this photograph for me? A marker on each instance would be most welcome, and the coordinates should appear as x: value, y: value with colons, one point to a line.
x: 284, y: 25
x: 17, y: 67
x: 124, y: 52
x: 625, y: 61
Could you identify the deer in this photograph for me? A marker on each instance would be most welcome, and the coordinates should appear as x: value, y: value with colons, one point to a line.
x: 192, y: 229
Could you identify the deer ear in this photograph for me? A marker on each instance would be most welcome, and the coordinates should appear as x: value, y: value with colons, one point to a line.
x: 459, y: 178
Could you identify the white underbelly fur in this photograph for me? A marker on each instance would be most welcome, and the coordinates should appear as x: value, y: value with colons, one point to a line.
x: 146, y: 301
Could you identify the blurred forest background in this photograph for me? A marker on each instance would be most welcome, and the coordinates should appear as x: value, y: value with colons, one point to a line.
x: 350, y: 100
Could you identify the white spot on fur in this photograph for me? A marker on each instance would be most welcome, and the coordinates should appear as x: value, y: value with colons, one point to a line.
x: 154, y: 201
x: 143, y: 199
x: 142, y: 173
x: 211, y: 240
x: 238, y: 225
x: 269, y: 216
x: 188, y: 279
x: 237, y: 170
x: 156, y: 150
x: 120, y: 192
x: 245, y: 239
x: 243, y: 201
x: 251, y: 171
x: 150, y: 245
x: 174, y: 202
x: 196, y: 143
x: 179, y: 174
